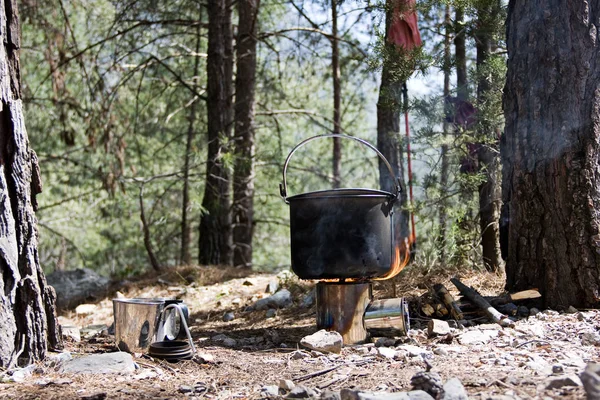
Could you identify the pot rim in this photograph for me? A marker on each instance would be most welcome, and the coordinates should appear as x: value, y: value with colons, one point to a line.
x: 343, y: 193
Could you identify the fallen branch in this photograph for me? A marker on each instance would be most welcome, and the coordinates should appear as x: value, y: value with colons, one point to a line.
x: 318, y: 373
x: 510, y: 297
x: 482, y: 303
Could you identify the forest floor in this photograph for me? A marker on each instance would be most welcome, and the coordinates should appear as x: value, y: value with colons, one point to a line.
x: 508, y: 363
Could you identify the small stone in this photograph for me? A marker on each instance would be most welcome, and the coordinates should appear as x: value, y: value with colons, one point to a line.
x: 562, y: 381
x: 108, y: 363
x: 205, y: 357
x: 571, y: 310
x: 580, y: 316
x: 286, y: 384
x: 591, y: 380
x: 309, y: 298
x: 236, y: 302
x: 85, y: 309
x: 185, y: 389
x: 557, y: 369
x: 533, y: 311
x: 386, y: 352
x: 436, y: 327
x: 590, y: 339
x: 299, y: 355
x: 281, y: 299
x: 551, y: 312
x: 229, y: 342
x: 330, y: 342
x: 272, y: 286
x: 385, y: 342
x: 270, y: 391
x: 523, y: 311
x: 330, y: 395
x: 477, y: 336
x: 71, y: 332
x: 228, y: 316
x: 54, y: 360
x: 20, y: 374
x: 301, y: 392
x: 249, y: 282
x: 271, y: 313
x: 430, y: 382
x: 454, y: 390
x: 419, y: 395
x: 414, y: 351
x: 440, y: 351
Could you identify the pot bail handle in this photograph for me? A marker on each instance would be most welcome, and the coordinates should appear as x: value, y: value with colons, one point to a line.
x: 283, y: 185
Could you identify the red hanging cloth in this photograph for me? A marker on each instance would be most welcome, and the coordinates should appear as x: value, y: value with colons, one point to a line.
x: 404, y: 31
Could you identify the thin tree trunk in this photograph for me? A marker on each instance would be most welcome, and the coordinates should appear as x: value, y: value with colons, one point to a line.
x: 443, y: 205
x: 337, y: 93
x: 156, y: 265
x: 389, y: 142
x: 28, y: 323
x: 243, y: 181
x: 551, y: 151
x: 488, y: 155
x: 186, y: 231
x: 460, y: 49
x: 216, y: 242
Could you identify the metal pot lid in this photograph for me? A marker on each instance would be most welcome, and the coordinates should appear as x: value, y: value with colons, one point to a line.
x: 341, y: 193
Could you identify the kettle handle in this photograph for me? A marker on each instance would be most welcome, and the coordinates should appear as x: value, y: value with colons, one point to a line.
x: 283, y: 185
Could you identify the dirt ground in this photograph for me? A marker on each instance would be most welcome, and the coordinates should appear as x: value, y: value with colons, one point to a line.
x: 511, y: 363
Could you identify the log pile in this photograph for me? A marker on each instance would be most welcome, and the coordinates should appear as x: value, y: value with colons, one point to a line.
x: 439, y: 303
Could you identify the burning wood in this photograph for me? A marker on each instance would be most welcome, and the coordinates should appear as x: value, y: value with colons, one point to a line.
x: 400, y: 260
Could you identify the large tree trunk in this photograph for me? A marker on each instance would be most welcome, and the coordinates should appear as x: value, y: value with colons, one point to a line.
x: 243, y: 181
x: 216, y: 243
x: 337, y: 96
x: 460, y: 49
x: 389, y: 141
x: 488, y: 158
x: 28, y: 323
x: 551, y: 150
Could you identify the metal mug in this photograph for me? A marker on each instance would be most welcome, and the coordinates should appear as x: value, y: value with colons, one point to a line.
x: 140, y: 322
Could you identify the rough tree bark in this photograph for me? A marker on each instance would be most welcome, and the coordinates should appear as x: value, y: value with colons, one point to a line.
x: 337, y: 95
x: 460, y: 50
x: 488, y: 157
x: 28, y: 323
x: 243, y: 180
x: 551, y: 150
x: 216, y: 242
x: 389, y: 141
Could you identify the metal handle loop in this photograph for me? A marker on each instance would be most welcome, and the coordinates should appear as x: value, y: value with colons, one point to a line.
x: 283, y: 185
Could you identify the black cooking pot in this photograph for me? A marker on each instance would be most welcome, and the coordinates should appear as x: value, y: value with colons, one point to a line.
x: 341, y: 233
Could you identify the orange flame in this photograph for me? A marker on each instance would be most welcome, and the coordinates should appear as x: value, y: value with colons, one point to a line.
x: 400, y: 260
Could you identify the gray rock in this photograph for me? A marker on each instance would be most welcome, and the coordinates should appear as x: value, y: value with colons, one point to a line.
x: 281, y: 299
x: 347, y: 394
x: 571, y: 310
x: 271, y: 313
x: 429, y: 382
x: 477, y: 336
x: 309, y: 298
x: 590, y: 339
x: 415, y: 351
x: 562, y: 381
x: 57, y: 359
x: 557, y: 369
x: 386, y: 352
x: 385, y: 342
x: 330, y: 342
x: 286, y: 384
x: 419, y: 395
x: 185, y: 389
x: 301, y: 392
x: 523, y: 311
x: 454, y: 390
x: 108, y: 363
x: 77, y: 286
x: 229, y: 342
x: 580, y: 316
x: 533, y: 311
x: 436, y: 327
x: 440, y: 351
x: 228, y: 316
x: 551, y: 312
x: 270, y: 391
x: 21, y: 374
x: 590, y: 378
x: 329, y: 395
